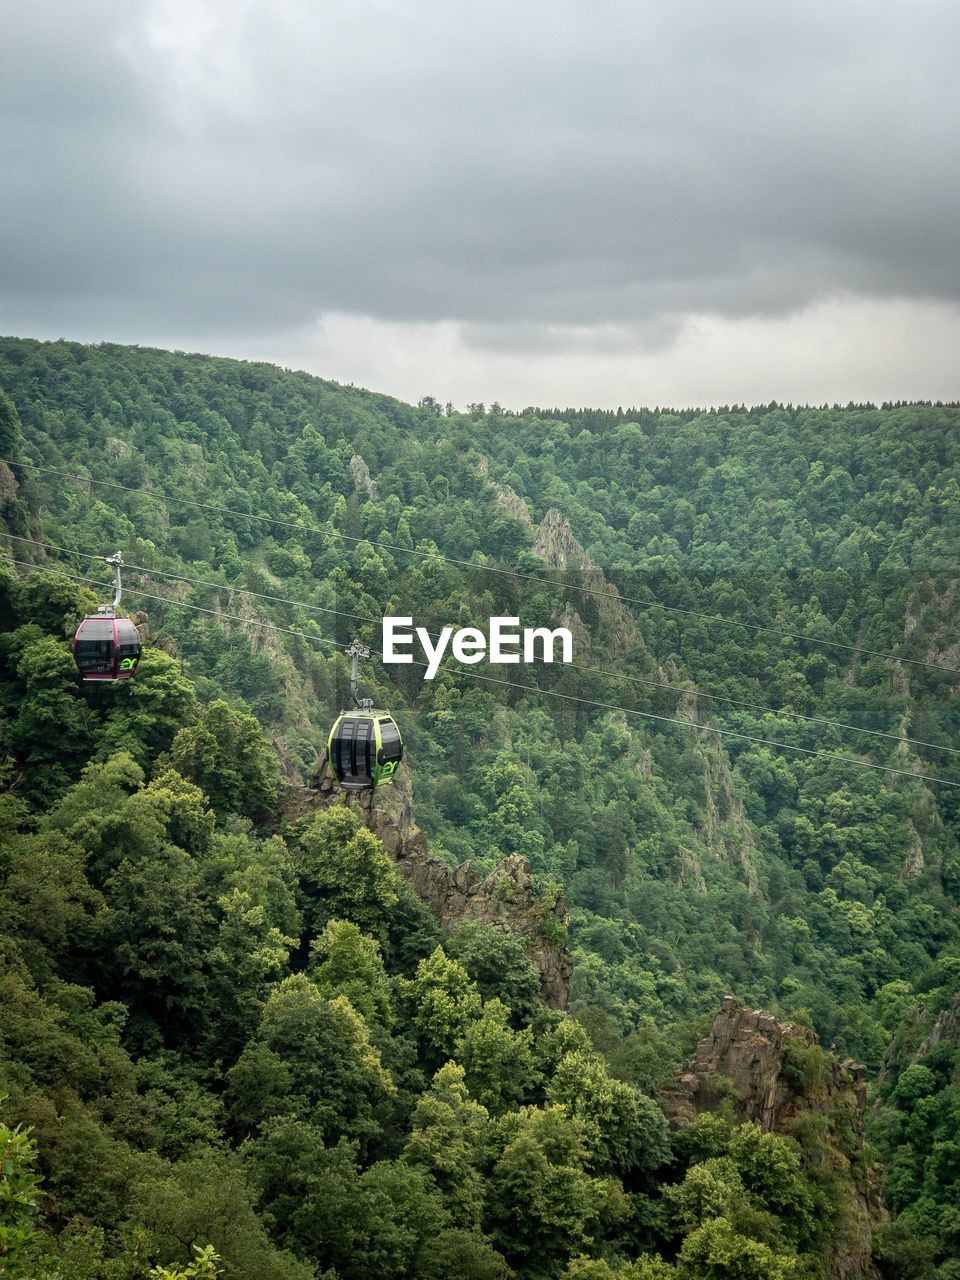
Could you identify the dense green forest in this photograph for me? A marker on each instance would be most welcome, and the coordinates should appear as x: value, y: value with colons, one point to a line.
x: 224, y: 1028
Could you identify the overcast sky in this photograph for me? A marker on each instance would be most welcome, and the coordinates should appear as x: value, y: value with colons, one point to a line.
x: 537, y: 202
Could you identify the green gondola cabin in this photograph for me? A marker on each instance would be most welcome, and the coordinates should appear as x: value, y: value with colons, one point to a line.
x: 364, y: 749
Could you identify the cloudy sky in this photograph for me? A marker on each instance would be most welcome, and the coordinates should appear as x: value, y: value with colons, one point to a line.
x: 539, y: 202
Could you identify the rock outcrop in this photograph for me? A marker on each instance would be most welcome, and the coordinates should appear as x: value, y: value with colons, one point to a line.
x: 747, y: 1048
x: 558, y: 548
x: 914, y: 1037
x: 507, y: 498
x: 508, y: 897
x: 751, y: 1058
x: 363, y: 482
x: 946, y: 1029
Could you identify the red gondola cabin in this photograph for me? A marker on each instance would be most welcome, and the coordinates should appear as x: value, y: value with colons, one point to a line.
x: 106, y: 648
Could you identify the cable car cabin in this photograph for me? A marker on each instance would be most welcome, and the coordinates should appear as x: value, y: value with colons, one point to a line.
x: 106, y: 648
x: 364, y: 750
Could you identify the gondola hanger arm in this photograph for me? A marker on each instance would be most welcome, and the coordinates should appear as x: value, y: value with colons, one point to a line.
x: 355, y: 652
x: 117, y: 561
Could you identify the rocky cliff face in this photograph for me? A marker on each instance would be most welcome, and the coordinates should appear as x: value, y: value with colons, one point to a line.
x: 360, y: 475
x: 747, y: 1048
x: 747, y: 1057
x: 725, y: 829
x: 508, y: 897
x: 946, y: 1030
x: 557, y: 547
x: 506, y: 498
x: 915, y: 1036
x: 9, y: 489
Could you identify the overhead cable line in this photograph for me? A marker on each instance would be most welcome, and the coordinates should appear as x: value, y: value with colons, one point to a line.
x: 534, y: 689
x: 705, y: 728
x: 180, y: 604
x: 611, y: 595
x: 575, y: 666
x: 197, y: 582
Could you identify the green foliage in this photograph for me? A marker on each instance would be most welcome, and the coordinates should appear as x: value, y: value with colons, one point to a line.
x: 805, y: 1065
x: 914, y: 1127
x: 443, y: 1003
x: 148, y: 712
x: 496, y: 962
x: 19, y: 1191
x: 208, y: 1199
x: 447, y: 1140
x: 626, y: 1130
x: 249, y: 953
x: 226, y: 755
x: 915, y: 1083
x: 347, y: 963
x: 178, y: 986
x: 770, y: 1169
x: 335, y: 1073
x: 203, y: 1267
x: 543, y: 1205
x: 717, y: 1251
x: 498, y: 1060
x: 345, y: 873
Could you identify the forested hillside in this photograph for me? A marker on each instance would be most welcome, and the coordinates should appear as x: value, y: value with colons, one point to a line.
x: 228, y: 1027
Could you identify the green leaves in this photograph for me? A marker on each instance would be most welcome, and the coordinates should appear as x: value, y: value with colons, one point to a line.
x: 626, y: 1131
x: 543, y: 1205
x: 261, y: 978
x: 718, y: 1251
x: 498, y: 1061
x: 442, y: 1002
x: 226, y: 754
x: 345, y: 873
x: 19, y: 1193
x: 205, y: 1266
x: 447, y: 1140
x: 334, y: 1074
x: 346, y: 962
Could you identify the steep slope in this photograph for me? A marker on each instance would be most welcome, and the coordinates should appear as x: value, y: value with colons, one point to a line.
x: 796, y: 562
x: 508, y: 897
x: 781, y: 1080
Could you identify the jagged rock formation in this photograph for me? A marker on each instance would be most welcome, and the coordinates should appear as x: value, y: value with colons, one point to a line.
x: 913, y: 863
x: 9, y: 489
x: 166, y: 644
x: 691, y: 872
x: 582, y: 643
x: 726, y: 832
x: 747, y: 1048
x: 557, y: 547
x: 945, y: 1029
x: 363, y: 482
x: 936, y: 608
x: 915, y: 1037
x: 747, y: 1057
x: 508, y: 897
x: 507, y: 499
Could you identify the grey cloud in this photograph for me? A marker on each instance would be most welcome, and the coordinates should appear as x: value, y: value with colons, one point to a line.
x: 208, y: 168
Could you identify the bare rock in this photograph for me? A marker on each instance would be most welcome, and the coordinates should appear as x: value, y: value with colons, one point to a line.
x: 558, y: 548
x: 913, y: 864
x: 509, y: 897
x: 745, y: 1058
x: 726, y: 832
x: 506, y: 498
x: 9, y: 488
x: 363, y: 482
